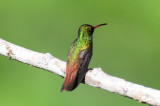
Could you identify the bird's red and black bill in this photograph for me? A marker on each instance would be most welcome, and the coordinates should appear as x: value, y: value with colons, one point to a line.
x: 99, y: 25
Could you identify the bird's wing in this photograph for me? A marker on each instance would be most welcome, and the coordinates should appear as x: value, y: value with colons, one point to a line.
x: 84, y: 58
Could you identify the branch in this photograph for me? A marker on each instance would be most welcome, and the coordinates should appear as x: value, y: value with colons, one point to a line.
x: 95, y: 77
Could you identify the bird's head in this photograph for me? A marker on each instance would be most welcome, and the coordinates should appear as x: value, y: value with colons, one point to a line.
x: 87, y: 30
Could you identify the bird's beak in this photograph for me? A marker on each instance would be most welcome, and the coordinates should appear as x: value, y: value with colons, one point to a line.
x: 99, y: 25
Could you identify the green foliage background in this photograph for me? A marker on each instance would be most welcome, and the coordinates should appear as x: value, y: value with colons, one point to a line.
x: 128, y: 47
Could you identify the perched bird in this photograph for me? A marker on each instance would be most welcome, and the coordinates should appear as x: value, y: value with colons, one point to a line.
x: 78, y: 58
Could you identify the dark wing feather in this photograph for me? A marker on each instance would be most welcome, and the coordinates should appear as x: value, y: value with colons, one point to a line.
x: 84, y: 59
x: 84, y: 62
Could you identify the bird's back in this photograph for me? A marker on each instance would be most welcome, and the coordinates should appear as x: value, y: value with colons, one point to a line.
x: 77, y: 63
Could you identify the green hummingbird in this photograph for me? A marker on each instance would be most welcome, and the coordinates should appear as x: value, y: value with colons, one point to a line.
x: 78, y: 58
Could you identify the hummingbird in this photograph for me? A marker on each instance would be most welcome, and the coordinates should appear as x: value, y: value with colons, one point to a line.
x: 79, y: 56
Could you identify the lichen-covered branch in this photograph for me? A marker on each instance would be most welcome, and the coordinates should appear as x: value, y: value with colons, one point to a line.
x: 95, y: 77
